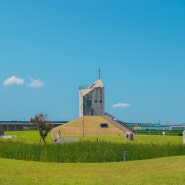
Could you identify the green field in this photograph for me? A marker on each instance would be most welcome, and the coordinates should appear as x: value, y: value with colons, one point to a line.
x: 163, y: 171
x: 33, y: 137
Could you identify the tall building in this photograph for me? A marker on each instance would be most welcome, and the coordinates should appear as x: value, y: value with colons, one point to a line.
x: 91, y: 99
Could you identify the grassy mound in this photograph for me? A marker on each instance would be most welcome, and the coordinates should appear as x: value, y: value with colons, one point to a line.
x: 91, y: 127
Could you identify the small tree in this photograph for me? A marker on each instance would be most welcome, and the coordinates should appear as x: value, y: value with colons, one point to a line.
x: 43, y: 126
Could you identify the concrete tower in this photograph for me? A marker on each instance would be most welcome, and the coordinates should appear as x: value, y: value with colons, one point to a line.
x: 91, y: 100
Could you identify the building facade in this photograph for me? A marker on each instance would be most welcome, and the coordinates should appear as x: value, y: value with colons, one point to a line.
x: 91, y: 100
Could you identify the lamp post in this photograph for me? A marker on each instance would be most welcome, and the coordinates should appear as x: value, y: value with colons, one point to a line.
x: 83, y: 126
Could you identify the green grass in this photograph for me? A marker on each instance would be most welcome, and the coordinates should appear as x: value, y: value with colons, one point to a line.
x: 27, y: 136
x: 155, y: 139
x: 159, y: 132
x: 26, y: 146
x: 87, y: 151
x: 163, y: 171
x: 33, y: 137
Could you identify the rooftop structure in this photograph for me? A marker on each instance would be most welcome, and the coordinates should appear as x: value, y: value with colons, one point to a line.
x: 91, y: 99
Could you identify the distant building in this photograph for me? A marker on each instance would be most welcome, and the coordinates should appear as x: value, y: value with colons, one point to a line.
x: 91, y: 99
x: 22, y: 125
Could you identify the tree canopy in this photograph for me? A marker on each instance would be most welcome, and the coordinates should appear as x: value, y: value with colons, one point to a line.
x: 42, y: 125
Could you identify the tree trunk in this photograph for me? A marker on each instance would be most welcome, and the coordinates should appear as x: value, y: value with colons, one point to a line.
x: 43, y: 138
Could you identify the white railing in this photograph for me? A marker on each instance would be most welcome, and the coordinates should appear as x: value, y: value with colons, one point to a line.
x: 125, y: 128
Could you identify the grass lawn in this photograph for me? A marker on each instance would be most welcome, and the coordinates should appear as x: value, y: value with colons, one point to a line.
x: 28, y: 136
x: 162, y: 171
x: 33, y: 137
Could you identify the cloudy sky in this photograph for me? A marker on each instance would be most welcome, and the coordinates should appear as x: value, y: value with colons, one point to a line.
x: 50, y: 48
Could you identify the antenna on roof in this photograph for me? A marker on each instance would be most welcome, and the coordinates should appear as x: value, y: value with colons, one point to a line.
x: 99, y: 73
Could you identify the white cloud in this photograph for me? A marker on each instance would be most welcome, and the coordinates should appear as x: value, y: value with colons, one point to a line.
x: 119, y: 105
x: 13, y: 80
x: 35, y: 83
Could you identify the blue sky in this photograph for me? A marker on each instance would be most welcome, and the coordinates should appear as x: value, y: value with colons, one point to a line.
x: 50, y: 48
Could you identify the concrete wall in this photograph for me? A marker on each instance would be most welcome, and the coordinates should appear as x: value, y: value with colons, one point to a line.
x: 91, y: 100
x: 96, y: 99
x: 93, y: 103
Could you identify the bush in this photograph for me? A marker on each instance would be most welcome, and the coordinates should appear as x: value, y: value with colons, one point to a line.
x: 87, y: 151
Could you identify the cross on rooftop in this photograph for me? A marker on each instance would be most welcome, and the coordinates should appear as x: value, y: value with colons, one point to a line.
x: 99, y: 73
